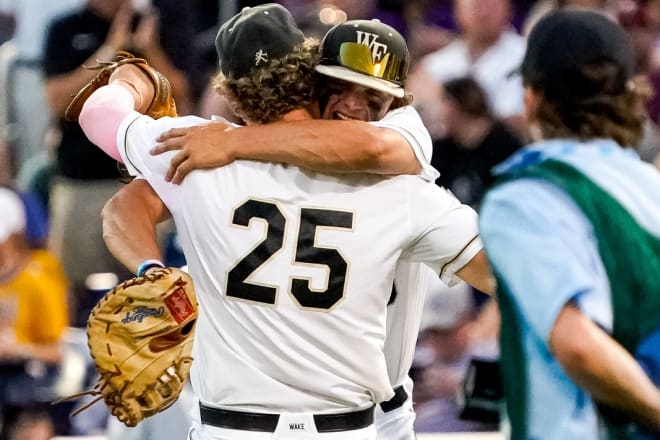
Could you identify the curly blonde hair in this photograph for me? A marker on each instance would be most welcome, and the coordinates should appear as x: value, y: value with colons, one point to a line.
x: 265, y: 94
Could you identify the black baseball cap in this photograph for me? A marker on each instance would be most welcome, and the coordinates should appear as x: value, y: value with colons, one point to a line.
x: 366, y: 52
x: 255, y: 36
x: 564, y: 41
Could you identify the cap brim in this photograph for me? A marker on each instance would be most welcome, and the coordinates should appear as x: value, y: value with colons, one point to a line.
x: 362, y: 79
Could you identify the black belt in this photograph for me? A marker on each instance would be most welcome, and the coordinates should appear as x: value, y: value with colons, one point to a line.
x: 400, y: 396
x: 247, y: 421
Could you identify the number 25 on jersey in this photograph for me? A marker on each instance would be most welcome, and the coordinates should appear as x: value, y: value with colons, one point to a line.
x: 307, y: 252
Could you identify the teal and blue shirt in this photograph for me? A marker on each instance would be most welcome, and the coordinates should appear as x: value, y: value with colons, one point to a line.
x: 555, y: 231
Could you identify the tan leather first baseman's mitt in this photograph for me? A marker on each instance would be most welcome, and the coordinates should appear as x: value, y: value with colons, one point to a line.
x: 161, y: 105
x: 140, y: 335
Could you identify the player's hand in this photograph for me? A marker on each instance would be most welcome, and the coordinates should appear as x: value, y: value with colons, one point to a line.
x: 200, y: 147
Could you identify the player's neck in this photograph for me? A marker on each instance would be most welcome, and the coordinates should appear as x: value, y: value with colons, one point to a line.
x: 293, y: 115
x: 297, y: 115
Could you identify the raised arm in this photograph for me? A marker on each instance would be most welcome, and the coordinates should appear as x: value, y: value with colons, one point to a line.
x: 105, y: 109
x: 320, y: 145
x: 600, y: 366
x: 129, y: 224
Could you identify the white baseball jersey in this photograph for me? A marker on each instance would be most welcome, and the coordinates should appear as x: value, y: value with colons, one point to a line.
x: 404, y: 313
x: 293, y: 270
x: 407, y: 122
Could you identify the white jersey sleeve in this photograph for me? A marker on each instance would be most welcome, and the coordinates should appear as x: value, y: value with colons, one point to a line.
x: 450, y: 234
x: 407, y: 122
x: 136, y: 136
x: 447, y: 240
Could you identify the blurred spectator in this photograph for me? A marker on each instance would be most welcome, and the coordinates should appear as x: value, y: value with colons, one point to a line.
x: 641, y: 20
x: 163, y: 36
x: 32, y: 424
x: 316, y: 18
x: 488, y: 49
x: 206, y: 18
x: 36, y: 217
x: 31, y: 19
x: 428, y: 26
x: 449, y: 339
x: 355, y: 10
x: 33, y: 318
x: 85, y: 177
x: 7, y: 54
x: 25, y: 100
x: 542, y: 7
x: 473, y: 143
x: 6, y: 20
x: 427, y: 96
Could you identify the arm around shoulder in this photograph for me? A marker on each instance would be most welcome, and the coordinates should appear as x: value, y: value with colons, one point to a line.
x: 319, y: 145
x: 330, y: 146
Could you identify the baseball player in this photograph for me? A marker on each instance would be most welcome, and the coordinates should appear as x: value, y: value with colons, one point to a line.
x: 579, y: 210
x: 320, y: 205
x: 358, y: 96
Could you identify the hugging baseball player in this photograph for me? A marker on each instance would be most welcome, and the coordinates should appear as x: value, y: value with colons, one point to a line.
x: 292, y: 275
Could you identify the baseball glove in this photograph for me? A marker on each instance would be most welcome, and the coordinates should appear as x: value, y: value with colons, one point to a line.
x: 140, y: 335
x: 161, y: 105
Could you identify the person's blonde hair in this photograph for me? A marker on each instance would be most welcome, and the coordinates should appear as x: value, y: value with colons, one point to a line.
x: 265, y: 94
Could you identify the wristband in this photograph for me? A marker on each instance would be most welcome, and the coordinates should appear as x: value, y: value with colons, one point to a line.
x: 148, y: 264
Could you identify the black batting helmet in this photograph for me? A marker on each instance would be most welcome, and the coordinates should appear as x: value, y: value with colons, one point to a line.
x: 366, y: 52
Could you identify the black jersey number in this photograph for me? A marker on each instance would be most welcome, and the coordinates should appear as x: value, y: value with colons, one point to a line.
x: 307, y: 252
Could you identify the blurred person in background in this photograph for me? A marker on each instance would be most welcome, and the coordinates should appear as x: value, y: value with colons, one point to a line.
x: 573, y: 238
x: 6, y: 20
x: 641, y: 20
x: 6, y: 168
x: 426, y: 28
x: 27, y: 118
x: 474, y: 141
x: 451, y: 335
x: 85, y: 178
x: 31, y: 424
x: 33, y: 318
x: 354, y: 10
x: 543, y: 7
x: 488, y: 49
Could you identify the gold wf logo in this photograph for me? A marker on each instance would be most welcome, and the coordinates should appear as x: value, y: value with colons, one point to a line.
x: 378, y: 50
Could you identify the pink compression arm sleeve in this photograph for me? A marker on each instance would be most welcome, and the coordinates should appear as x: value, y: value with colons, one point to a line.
x: 103, y: 113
